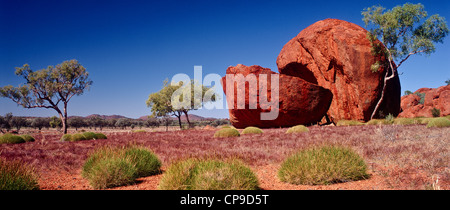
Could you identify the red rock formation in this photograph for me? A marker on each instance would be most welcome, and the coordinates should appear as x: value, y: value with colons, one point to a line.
x: 438, y: 98
x: 336, y: 55
x: 300, y: 102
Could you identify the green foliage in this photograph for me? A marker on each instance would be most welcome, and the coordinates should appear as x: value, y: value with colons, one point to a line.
x: 210, y: 174
x: 11, y: 139
x: 66, y: 137
x: 100, y: 136
x: 78, y: 137
x: 115, y: 166
x: 167, y: 100
x: 323, y: 165
x: 227, y: 132
x: 89, y: 135
x: 48, y: 87
x: 447, y: 82
x: 422, y: 97
x: 405, y: 121
x: 407, y: 92
x: 27, y: 138
x: 389, y: 119
x: 252, y: 130
x: 15, y: 175
x: 348, y: 123
x: 83, y: 136
x: 405, y: 30
x: 297, y: 129
x: 436, y: 112
x: 438, y: 122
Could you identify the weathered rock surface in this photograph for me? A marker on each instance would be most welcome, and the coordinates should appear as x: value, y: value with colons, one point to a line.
x: 438, y: 98
x: 300, y: 102
x: 336, y: 55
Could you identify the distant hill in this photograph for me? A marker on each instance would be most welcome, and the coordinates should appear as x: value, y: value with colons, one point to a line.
x: 106, y: 117
x: 192, y: 117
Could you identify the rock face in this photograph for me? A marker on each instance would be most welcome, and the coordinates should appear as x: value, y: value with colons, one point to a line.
x: 300, y: 102
x: 438, y: 98
x: 336, y: 55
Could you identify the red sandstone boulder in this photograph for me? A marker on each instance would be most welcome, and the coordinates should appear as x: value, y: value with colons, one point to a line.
x: 438, y: 98
x: 300, y: 102
x: 336, y: 55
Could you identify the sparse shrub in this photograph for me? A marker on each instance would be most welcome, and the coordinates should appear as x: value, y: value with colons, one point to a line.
x: 252, y: 130
x: 11, y: 139
x: 227, y: 132
x: 389, y: 119
x: 77, y: 137
x: 115, y: 166
x: 89, y: 135
x: 438, y: 122
x: 66, y: 137
x: 195, y: 174
x: 422, y: 97
x: 405, y: 121
x: 422, y: 120
x: 15, y: 175
x: 100, y: 136
x: 146, y: 162
x: 323, y: 165
x: 436, y: 112
x: 297, y: 129
x: 376, y: 122
x: 27, y: 138
x: 139, y: 131
x: 348, y: 123
x: 226, y: 126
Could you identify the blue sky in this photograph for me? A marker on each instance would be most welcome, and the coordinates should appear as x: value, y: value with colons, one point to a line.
x: 130, y: 47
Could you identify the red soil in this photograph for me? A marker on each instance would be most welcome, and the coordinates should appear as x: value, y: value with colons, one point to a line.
x: 398, y: 157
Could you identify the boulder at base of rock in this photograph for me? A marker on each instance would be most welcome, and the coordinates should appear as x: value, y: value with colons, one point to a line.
x: 300, y: 102
x: 336, y: 55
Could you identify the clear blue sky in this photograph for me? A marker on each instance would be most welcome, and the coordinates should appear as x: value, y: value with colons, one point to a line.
x: 130, y: 47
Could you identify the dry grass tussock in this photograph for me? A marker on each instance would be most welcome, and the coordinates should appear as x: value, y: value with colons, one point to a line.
x: 416, y: 157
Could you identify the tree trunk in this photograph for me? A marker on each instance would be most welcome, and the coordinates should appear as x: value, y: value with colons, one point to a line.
x: 187, y: 118
x: 391, y: 69
x: 65, y: 119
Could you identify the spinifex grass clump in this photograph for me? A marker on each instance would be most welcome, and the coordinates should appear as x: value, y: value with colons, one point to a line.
x: 252, y: 130
x: 209, y: 174
x: 348, y: 123
x: 227, y: 132
x: 323, y: 165
x: 27, y: 138
x: 116, y: 166
x: 15, y: 175
x: 438, y: 122
x: 11, y: 139
x: 405, y: 121
x: 83, y: 136
x: 297, y: 129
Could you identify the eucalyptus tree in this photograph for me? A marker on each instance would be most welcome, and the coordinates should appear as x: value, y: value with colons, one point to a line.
x: 49, y: 88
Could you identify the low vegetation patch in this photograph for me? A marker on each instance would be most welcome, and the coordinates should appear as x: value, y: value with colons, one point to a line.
x: 83, y: 136
x: 405, y: 121
x: 297, y: 129
x: 15, y: 175
x: 252, y: 130
x: 438, y: 122
x: 11, y: 139
x: 227, y: 132
x: 27, y: 138
x: 116, y: 166
x: 322, y: 166
x: 348, y: 123
x: 209, y: 174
